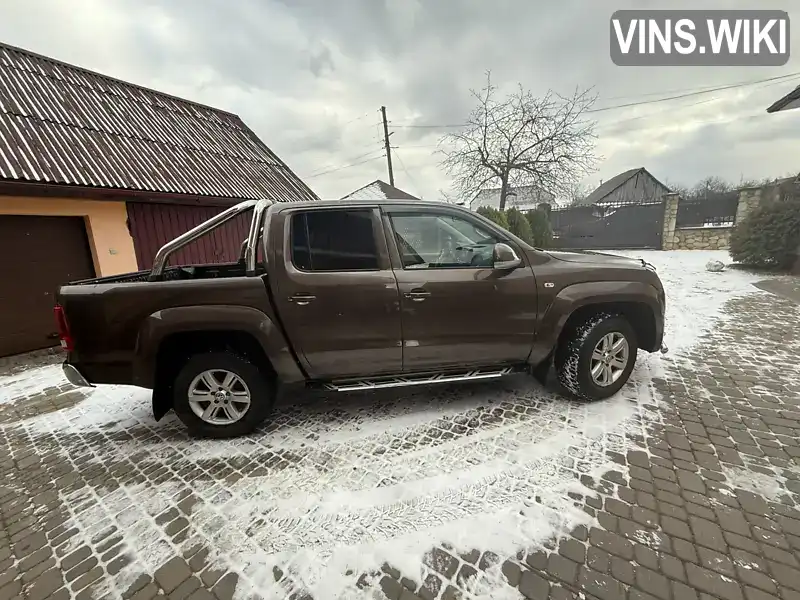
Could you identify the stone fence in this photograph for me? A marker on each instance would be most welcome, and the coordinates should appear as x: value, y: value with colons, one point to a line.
x: 705, y: 236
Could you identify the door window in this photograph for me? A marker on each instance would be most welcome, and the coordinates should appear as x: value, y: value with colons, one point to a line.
x: 334, y: 240
x: 441, y: 241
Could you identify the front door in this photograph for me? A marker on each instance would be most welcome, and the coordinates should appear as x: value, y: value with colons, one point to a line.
x: 336, y: 292
x: 457, y: 310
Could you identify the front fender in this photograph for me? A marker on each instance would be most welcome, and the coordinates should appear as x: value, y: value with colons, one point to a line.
x: 576, y: 296
x: 220, y: 317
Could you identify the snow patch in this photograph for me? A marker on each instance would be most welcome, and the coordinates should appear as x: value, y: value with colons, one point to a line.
x: 694, y: 300
x: 768, y: 486
x: 491, y: 585
x: 651, y: 539
x: 31, y: 382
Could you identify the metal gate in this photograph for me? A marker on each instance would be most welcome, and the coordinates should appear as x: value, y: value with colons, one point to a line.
x: 609, y: 227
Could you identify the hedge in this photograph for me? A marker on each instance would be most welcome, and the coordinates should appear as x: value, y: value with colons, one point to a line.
x: 769, y: 236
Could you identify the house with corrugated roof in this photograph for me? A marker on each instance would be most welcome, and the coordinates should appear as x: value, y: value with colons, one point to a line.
x: 635, y: 186
x: 96, y: 174
x: 379, y: 190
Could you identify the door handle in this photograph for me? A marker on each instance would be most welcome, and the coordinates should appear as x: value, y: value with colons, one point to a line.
x: 417, y: 295
x: 302, y: 299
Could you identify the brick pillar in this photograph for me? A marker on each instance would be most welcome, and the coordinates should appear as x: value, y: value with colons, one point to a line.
x: 670, y: 216
x: 749, y: 198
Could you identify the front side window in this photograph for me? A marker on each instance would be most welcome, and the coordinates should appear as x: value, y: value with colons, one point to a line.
x: 440, y: 241
x: 334, y: 240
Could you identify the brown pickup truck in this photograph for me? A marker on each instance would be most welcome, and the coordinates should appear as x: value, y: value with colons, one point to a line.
x: 357, y: 296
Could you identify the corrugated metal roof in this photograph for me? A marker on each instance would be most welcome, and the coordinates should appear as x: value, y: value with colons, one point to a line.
x: 379, y: 190
x: 61, y: 124
x: 607, y: 187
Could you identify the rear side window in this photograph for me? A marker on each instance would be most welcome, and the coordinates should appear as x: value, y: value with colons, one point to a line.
x: 334, y: 240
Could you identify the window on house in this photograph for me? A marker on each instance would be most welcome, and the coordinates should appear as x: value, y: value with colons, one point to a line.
x: 334, y: 240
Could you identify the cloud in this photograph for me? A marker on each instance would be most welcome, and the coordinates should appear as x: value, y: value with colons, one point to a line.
x: 310, y: 75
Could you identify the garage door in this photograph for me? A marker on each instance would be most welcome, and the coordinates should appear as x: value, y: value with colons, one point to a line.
x: 37, y: 254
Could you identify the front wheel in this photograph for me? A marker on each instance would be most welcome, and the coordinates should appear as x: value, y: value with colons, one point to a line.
x: 220, y: 394
x: 596, y: 357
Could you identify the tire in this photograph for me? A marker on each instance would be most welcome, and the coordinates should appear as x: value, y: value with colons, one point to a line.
x: 231, y: 416
x: 573, y: 360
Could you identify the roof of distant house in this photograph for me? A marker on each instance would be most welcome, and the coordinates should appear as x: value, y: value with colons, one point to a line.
x: 789, y: 101
x: 524, y: 195
x: 62, y: 124
x: 609, y: 187
x: 379, y: 190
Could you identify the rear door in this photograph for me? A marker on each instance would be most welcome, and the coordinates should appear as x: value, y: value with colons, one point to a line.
x: 336, y: 292
x: 457, y: 310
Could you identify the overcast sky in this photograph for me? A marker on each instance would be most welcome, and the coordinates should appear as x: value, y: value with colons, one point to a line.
x: 310, y: 75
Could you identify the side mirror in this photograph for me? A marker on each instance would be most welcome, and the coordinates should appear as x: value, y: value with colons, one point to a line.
x: 504, y: 257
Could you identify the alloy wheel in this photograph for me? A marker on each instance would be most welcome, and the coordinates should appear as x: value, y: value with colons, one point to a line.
x: 609, y: 359
x: 219, y: 397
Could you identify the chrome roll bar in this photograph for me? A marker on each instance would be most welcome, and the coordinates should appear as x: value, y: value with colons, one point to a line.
x: 259, y: 206
x: 256, y: 226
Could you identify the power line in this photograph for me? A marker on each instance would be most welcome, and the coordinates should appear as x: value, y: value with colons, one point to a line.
x: 610, y: 124
x: 664, y: 92
x: 351, y: 121
x: 351, y: 158
x: 410, y: 178
x: 696, y: 92
x: 355, y: 164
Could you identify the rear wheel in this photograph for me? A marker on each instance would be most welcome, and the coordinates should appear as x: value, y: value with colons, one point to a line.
x: 220, y: 394
x: 596, y: 357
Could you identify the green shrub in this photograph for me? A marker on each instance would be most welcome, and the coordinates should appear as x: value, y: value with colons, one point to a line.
x: 541, y: 230
x: 518, y: 225
x: 769, y: 236
x: 493, y: 215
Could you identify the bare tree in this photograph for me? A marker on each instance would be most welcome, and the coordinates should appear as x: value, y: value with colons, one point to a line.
x: 521, y: 140
x: 574, y: 193
x: 711, y: 185
x: 678, y: 188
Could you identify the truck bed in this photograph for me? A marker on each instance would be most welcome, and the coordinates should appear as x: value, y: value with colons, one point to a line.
x: 176, y: 273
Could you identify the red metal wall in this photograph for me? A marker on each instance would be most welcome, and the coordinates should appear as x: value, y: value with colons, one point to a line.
x: 153, y: 225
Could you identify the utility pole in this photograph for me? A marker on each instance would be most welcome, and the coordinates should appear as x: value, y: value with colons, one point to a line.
x: 388, y: 148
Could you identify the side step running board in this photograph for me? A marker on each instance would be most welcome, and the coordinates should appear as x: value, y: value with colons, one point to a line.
x: 378, y: 383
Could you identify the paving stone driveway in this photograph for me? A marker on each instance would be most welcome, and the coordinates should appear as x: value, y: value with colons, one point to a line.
x: 700, y: 501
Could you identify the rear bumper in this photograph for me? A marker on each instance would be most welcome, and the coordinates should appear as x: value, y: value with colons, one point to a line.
x: 74, y: 376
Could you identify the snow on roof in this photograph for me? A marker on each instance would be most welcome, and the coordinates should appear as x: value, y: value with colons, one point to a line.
x: 527, y: 196
x: 379, y: 190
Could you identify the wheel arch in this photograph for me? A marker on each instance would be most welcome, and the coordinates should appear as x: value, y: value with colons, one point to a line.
x: 636, y: 301
x: 169, y: 336
x: 638, y: 314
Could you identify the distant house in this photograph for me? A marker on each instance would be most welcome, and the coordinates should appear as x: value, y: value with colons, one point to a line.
x: 379, y: 190
x: 524, y: 198
x: 636, y: 186
x: 788, y: 102
x: 96, y: 174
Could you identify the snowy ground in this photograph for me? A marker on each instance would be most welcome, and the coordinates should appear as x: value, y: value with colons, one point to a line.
x: 337, y: 486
